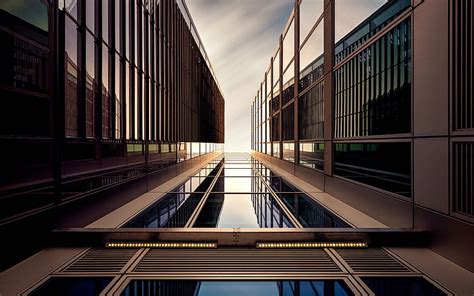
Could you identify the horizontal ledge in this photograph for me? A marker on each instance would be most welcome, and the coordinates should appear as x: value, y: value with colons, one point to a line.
x: 245, y: 237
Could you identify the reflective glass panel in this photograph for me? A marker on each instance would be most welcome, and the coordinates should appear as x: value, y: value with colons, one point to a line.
x: 242, y: 211
x: 90, y: 85
x: 71, y: 79
x: 310, y: 213
x: 238, y: 288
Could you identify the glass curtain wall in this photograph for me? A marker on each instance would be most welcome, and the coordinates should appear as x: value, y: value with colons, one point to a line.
x: 372, y: 88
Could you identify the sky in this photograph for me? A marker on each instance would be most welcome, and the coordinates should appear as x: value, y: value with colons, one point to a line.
x: 240, y: 36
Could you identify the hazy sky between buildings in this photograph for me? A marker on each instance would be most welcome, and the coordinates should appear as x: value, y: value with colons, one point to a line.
x: 240, y: 36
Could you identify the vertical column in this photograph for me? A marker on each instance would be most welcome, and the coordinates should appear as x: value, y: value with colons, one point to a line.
x: 328, y: 91
x: 98, y: 77
x: 280, y: 86
x: 296, y: 81
x: 265, y: 112
x: 122, y: 70
x: 56, y: 58
x: 271, y: 104
x: 81, y: 98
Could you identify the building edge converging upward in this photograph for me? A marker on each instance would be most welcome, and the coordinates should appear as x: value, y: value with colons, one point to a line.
x: 382, y: 118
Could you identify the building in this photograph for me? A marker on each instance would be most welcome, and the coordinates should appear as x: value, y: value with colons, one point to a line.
x: 328, y: 203
x: 378, y: 116
x: 99, y: 96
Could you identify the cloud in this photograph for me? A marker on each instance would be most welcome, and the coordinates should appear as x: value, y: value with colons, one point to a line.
x: 239, y: 37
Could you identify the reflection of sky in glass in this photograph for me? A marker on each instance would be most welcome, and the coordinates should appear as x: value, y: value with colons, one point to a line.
x: 238, y: 184
x: 238, y: 288
x: 350, y: 13
x: 310, y: 11
x: 237, y: 211
x: 237, y: 172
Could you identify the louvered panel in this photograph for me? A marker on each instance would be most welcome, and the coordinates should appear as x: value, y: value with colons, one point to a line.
x: 237, y: 261
x: 372, y: 260
x: 101, y: 260
x: 463, y: 175
x: 462, y: 35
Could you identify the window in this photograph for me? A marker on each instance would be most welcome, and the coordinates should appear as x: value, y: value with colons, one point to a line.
x: 118, y: 101
x: 289, y: 151
x: 310, y: 11
x: 288, y: 92
x: 373, y: 89
x: 128, y: 107
x: 391, y: 286
x: 276, y: 70
x: 264, y: 288
x: 136, y: 105
x: 358, y: 11
x: 117, y: 28
x: 87, y: 286
x: 127, y: 28
x: 195, y: 150
x: 310, y: 213
x: 383, y: 165
x: 165, y: 148
x: 276, y: 149
x: 90, y: 85
x: 311, y: 113
x: 90, y: 15
x: 311, y: 52
x: 288, y: 122
x: 276, y: 127
x: 289, y: 46
x: 312, y: 155
x: 105, y: 20
x: 70, y: 6
x: 105, y: 93
x: 71, y: 78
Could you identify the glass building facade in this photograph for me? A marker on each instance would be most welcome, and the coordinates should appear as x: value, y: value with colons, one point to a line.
x: 99, y: 93
x: 372, y: 96
x: 381, y: 116
x: 356, y: 185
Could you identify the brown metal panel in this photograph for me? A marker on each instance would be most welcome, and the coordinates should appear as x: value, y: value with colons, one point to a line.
x: 431, y: 55
x: 431, y: 187
x: 296, y: 81
x: 328, y: 85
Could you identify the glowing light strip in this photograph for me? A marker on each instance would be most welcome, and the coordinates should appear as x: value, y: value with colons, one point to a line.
x: 312, y: 245
x: 164, y: 245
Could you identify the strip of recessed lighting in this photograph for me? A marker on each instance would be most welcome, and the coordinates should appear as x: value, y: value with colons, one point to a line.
x: 163, y: 245
x: 276, y: 245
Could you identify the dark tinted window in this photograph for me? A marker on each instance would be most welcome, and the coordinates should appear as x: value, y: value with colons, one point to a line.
x: 382, y: 165
x: 309, y: 213
x: 34, y: 12
x: 288, y: 122
x: 408, y: 286
x: 72, y: 286
x: 311, y: 113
